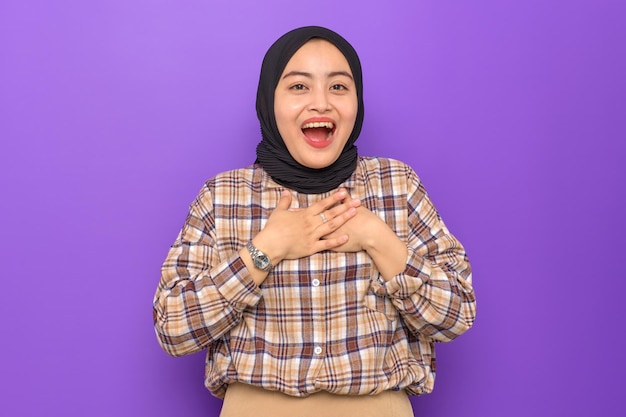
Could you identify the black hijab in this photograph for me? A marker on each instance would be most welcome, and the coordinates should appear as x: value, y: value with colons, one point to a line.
x: 272, y: 153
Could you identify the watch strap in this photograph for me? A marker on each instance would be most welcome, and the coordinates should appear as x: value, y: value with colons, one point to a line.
x: 259, y: 259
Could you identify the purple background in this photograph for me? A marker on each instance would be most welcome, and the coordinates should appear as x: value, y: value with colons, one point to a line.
x: 113, y: 113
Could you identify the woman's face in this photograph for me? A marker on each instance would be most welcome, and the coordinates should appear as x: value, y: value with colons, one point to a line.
x: 315, y: 104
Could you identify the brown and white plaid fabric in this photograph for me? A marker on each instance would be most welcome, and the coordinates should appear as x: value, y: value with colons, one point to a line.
x: 325, y: 322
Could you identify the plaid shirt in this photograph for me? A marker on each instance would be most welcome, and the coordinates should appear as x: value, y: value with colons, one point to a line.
x: 324, y: 322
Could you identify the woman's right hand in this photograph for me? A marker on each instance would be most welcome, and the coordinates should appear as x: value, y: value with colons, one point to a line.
x: 297, y: 233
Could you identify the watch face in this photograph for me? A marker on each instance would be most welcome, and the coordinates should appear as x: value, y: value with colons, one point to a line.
x: 261, y: 262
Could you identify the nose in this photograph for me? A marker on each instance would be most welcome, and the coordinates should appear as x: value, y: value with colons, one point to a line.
x: 319, y: 100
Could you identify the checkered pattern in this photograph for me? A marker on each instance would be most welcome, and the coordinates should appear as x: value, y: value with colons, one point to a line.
x: 325, y: 322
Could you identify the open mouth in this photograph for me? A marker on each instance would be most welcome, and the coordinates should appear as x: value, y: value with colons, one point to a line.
x: 318, y: 132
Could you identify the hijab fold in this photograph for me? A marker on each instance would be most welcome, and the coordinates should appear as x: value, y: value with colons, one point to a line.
x: 272, y: 153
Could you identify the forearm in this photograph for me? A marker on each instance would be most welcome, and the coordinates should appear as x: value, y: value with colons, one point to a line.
x: 257, y: 275
x: 433, y: 294
x: 432, y: 291
x: 194, y: 308
x: 387, y: 251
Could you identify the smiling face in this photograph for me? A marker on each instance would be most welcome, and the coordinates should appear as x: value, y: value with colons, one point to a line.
x: 315, y: 104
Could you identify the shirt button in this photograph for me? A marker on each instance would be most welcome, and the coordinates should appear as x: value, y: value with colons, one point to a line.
x: 316, y: 282
x: 317, y: 350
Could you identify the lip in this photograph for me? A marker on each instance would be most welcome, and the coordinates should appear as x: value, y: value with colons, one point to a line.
x: 319, y: 120
x: 320, y: 144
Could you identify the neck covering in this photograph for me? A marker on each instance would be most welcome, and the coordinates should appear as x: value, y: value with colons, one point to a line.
x: 272, y: 153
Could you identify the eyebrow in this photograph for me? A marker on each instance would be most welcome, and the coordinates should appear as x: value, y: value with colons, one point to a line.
x: 309, y: 75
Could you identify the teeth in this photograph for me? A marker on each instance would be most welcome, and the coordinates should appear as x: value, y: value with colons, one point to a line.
x: 327, y: 125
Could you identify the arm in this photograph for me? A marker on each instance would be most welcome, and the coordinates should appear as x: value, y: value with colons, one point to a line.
x: 428, y: 277
x: 200, y: 297
x: 294, y: 234
x: 433, y: 293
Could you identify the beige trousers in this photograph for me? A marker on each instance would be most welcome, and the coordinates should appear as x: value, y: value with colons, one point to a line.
x: 244, y: 400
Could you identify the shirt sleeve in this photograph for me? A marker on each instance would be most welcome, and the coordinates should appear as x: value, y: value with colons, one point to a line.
x: 200, y: 297
x: 434, y: 294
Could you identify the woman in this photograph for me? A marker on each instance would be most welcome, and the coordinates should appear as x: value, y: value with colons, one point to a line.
x: 317, y: 280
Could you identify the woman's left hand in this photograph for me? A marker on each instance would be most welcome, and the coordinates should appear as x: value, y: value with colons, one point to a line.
x: 361, y: 229
x: 368, y: 232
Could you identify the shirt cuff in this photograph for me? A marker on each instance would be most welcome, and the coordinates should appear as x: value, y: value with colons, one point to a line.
x: 234, y: 283
x: 405, y: 284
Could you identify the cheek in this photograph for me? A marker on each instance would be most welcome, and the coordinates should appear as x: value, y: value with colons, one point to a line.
x: 285, y: 124
x: 286, y: 113
x: 281, y: 117
x: 350, y: 111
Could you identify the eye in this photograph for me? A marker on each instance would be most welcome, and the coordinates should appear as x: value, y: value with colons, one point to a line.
x: 298, y: 87
x: 338, y: 87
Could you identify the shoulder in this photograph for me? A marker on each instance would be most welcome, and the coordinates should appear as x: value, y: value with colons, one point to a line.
x: 233, y: 184
x: 238, y: 181
x: 387, y: 176
x: 385, y: 167
x: 236, y: 177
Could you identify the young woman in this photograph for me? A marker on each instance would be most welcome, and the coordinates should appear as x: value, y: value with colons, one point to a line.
x: 316, y: 280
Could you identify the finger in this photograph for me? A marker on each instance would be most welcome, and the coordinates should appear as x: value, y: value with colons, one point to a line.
x: 338, y: 209
x: 285, y: 200
x: 328, y: 202
x: 334, y: 223
x: 345, y: 205
x: 331, y: 242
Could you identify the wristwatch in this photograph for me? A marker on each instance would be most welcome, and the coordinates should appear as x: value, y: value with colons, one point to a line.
x: 260, y: 260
